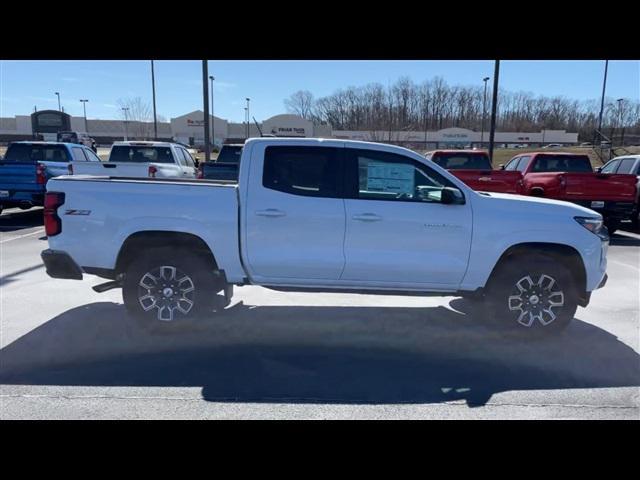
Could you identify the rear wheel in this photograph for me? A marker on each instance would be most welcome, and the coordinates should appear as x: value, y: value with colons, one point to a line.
x: 531, y: 296
x: 167, y: 290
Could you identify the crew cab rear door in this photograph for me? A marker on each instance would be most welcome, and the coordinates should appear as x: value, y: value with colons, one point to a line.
x: 294, y: 220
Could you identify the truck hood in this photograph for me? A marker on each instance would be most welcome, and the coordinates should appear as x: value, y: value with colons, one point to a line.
x: 537, y: 204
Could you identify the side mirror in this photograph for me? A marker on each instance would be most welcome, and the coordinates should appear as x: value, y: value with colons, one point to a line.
x: 197, y: 162
x: 598, y: 169
x: 451, y: 196
x: 501, y: 166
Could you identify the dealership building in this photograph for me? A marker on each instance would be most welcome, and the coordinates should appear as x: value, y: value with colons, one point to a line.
x: 189, y: 129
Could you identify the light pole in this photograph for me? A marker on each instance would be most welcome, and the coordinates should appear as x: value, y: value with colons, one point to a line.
x: 84, y: 107
x: 213, y: 118
x: 494, y: 106
x: 248, y: 117
x: 205, y: 103
x: 484, y: 109
x: 59, y: 107
x: 126, y: 135
x: 153, y: 89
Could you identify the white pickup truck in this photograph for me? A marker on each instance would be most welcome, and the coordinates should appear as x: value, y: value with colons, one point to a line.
x: 325, y: 215
x: 143, y: 159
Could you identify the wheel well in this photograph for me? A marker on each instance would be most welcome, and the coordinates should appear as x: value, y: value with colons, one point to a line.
x: 564, y: 254
x: 156, y: 239
x: 537, y: 192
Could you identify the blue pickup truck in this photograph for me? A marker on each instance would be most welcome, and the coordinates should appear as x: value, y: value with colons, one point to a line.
x: 27, y: 166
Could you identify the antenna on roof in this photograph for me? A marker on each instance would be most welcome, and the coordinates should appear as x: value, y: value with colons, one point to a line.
x: 257, y: 126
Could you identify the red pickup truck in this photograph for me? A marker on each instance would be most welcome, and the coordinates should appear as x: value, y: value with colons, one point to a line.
x: 473, y: 167
x: 570, y: 177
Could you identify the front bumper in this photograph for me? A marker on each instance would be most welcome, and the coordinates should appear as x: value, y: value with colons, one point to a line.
x: 611, y: 210
x: 60, y: 265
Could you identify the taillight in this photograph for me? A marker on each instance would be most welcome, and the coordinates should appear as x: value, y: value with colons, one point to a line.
x: 41, y: 177
x: 152, y: 171
x: 52, y: 222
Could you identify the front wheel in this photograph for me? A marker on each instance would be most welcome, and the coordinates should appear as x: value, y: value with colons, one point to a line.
x: 166, y: 289
x: 532, y: 296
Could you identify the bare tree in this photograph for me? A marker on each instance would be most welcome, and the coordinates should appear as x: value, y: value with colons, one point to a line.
x: 301, y: 103
x: 139, y: 115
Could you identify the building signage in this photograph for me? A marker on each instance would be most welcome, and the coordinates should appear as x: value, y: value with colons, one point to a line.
x: 195, y: 123
x: 288, y: 131
x: 455, y: 135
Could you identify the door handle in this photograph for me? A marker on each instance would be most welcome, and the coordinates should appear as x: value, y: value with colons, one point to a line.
x: 270, y: 212
x: 367, y: 217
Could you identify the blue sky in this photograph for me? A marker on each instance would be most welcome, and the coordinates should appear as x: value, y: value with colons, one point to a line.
x: 25, y: 84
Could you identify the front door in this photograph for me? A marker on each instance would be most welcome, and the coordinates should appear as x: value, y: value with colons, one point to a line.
x: 398, y: 232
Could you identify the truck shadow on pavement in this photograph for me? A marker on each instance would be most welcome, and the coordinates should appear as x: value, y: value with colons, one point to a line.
x: 318, y: 354
x: 14, y: 219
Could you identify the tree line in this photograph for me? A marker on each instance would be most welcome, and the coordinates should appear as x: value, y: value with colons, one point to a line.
x: 434, y: 105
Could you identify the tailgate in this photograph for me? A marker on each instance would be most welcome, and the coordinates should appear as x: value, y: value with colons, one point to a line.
x: 491, y: 180
x: 596, y: 186
x: 18, y: 176
x: 112, y: 169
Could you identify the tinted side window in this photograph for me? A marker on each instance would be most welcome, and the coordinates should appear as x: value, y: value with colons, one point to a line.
x: 92, y: 157
x: 308, y: 171
x: 523, y: 163
x: 187, y: 158
x: 626, y: 164
x: 610, y: 167
x: 512, y: 165
x: 389, y: 176
x: 78, y: 154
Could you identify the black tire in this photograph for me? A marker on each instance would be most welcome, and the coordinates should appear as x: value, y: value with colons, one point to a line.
x: 521, y: 281
x: 192, y: 289
x: 612, y: 226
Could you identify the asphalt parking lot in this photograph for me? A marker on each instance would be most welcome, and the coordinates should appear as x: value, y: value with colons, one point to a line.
x: 67, y: 352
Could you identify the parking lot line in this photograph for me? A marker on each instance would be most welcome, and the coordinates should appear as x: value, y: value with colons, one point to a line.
x: 22, y: 236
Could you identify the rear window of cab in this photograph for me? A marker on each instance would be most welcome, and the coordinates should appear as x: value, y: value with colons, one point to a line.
x: 20, y: 152
x: 462, y: 161
x: 561, y: 163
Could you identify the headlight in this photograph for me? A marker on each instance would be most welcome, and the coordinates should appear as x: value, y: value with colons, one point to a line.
x: 594, y: 225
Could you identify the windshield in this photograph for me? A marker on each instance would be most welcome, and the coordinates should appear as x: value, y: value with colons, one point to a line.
x: 562, y: 163
x: 463, y: 161
x: 126, y: 153
x: 229, y: 154
x: 20, y: 152
x: 71, y: 137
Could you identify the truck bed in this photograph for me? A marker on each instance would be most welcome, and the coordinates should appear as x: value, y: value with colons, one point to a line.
x: 106, y: 210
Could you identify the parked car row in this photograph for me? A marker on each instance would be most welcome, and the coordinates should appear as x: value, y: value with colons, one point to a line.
x: 611, y: 191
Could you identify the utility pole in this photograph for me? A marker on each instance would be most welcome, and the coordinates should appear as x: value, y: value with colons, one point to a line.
x: 59, y: 107
x: 205, y: 102
x: 153, y: 89
x: 604, y: 88
x: 494, y: 106
x: 213, y: 118
x: 484, y: 109
x: 84, y: 107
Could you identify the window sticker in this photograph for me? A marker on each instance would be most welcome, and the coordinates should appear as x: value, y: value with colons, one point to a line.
x: 390, y: 177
